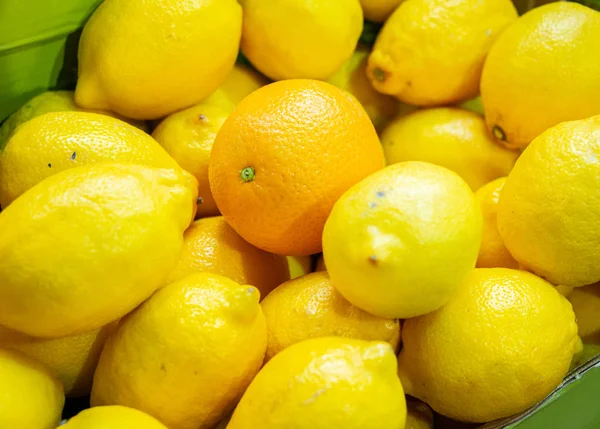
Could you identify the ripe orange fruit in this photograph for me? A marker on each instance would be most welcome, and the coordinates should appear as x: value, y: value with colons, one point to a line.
x: 284, y: 157
x: 210, y: 245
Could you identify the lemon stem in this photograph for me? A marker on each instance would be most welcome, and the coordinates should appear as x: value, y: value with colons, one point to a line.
x: 499, y: 133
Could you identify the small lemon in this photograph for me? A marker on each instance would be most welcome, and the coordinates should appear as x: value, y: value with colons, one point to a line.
x: 242, y: 81
x: 73, y: 359
x: 586, y: 305
x: 187, y: 354
x: 378, y: 10
x: 113, y: 417
x: 88, y: 245
x: 352, y: 77
x: 299, y: 265
x: 211, y: 245
x: 323, y: 383
x: 310, y: 307
x: 543, y: 70
x: 399, y: 243
x: 57, y: 141
x: 431, y: 52
x: 453, y: 138
x: 32, y: 398
x: 492, y: 253
x: 147, y: 60
x: 418, y: 415
x: 500, y: 345
x: 549, y: 209
x: 188, y: 136
x: 293, y: 39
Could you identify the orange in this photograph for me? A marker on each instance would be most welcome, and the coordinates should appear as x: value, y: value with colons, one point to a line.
x: 283, y: 158
x: 210, y: 245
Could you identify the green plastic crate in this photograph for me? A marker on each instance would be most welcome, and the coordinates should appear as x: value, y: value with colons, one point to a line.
x: 38, y: 51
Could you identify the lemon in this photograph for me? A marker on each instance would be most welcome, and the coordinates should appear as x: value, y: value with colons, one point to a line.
x: 86, y: 246
x: 501, y: 344
x: 187, y: 354
x: 300, y: 38
x: 453, y: 138
x: 49, y: 101
x: 242, y: 81
x: 399, y: 243
x: 548, y: 209
x: 310, y: 307
x: 299, y: 265
x: 378, y: 10
x: 57, y: 141
x: 586, y: 305
x: 418, y: 415
x: 211, y: 245
x: 113, y: 417
x: 524, y: 86
x: 431, y: 52
x: 73, y: 359
x: 352, y: 77
x: 147, y: 60
x: 492, y: 253
x: 323, y: 383
x: 188, y: 136
x: 32, y: 398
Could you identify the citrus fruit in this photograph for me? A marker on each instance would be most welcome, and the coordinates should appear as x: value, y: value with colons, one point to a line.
x: 311, y: 384
x: 586, y: 305
x: 453, y: 138
x: 187, y: 354
x: 548, y: 208
x: 398, y: 243
x: 378, y: 10
x: 188, y: 136
x: 48, y: 101
x: 73, y: 359
x: 431, y: 52
x: 112, y: 417
x: 57, y: 141
x: 352, y: 77
x: 299, y: 265
x: 242, y: 81
x: 524, y: 86
x: 32, y: 398
x: 211, y: 245
x: 283, y: 158
x: 147, y: 60
x: 88, y: 245
x: 492, y: 253
x: 418, y: 415
x: 293, y: 39
x: 501, y: 344
x: 310, y: 307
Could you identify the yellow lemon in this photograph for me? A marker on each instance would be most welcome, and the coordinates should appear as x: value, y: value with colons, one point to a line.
x: 311, y: 384
x: 242, y: 81
x: 299, y: 265
x: 418, y: 415
x: 300, y: 38
x: 352, y: 77
x: 32, y: 398
x: 310, y: 307
x: 548, y: 209
x: 73, y: 359
x: 88, y: 245
x: 187, y: 354
x: 492, y: 253
x: 586, y: 305
x: 113, y: 417
x: 211, y: 245
x: 378, y: 10
x: 57, y: 141
x: 399, y: 243
x: 524, y: 85
x: 431, y: 52
x: 501, y: 344
x: 147, y: 60
x: 453, y: 138
x: 188, y: 136
x: 49, y: 101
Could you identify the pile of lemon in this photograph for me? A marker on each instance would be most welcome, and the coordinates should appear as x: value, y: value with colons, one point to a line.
x: 152, y: 219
